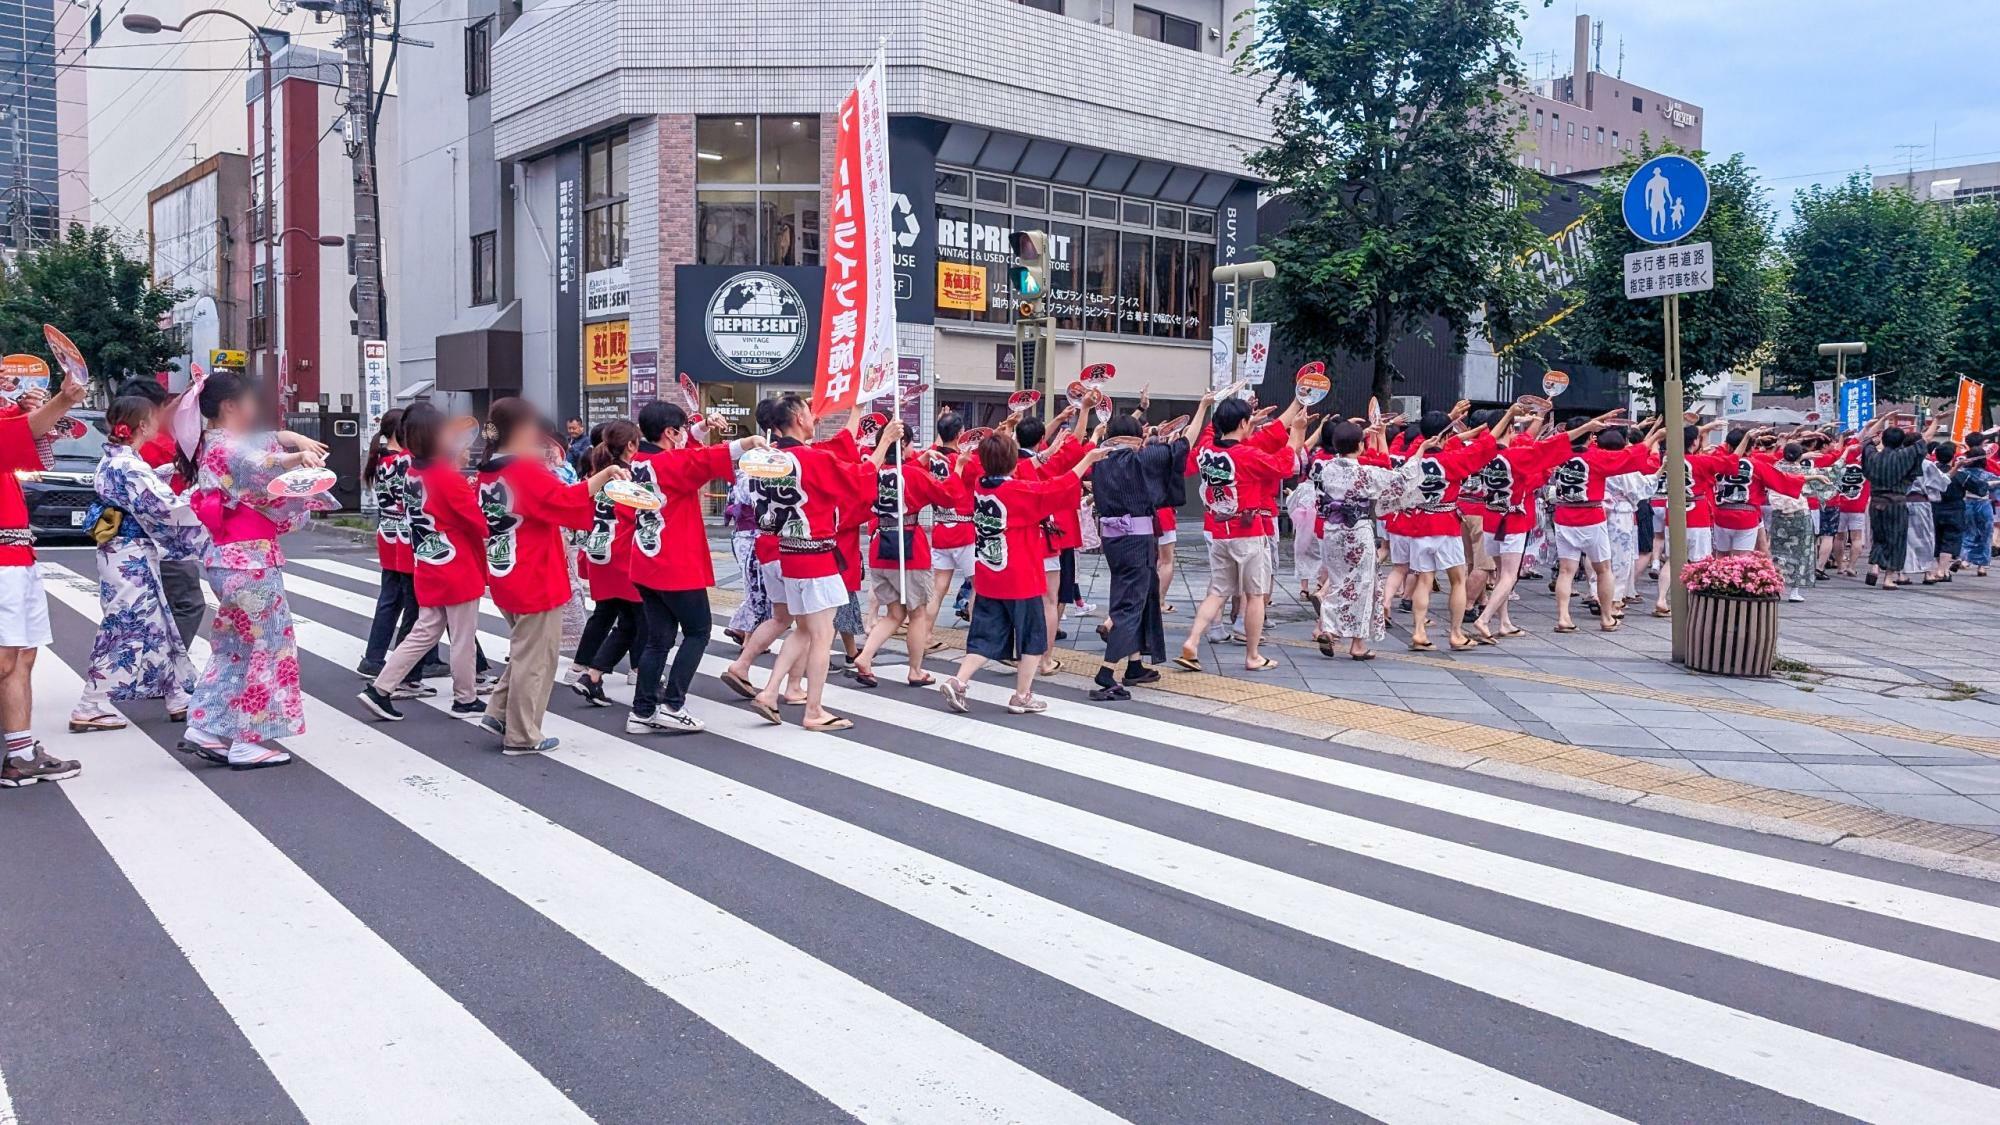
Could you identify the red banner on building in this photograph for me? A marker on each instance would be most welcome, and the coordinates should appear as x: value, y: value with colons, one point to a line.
x: 1971, y: 412
x: 857, y: 334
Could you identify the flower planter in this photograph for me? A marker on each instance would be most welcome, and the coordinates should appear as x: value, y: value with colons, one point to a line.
x: 1732, y: 634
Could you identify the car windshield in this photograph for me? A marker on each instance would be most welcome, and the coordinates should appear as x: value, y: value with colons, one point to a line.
x: 90, y: 446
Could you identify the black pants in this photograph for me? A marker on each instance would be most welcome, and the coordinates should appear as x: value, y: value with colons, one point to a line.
x: 609, y: 635
x: 1889, y: 530
x: 180, y: 580
x: 1134, y: 602
x: 670, y: 613
x: 1067, y: 591
x: 395, y: 614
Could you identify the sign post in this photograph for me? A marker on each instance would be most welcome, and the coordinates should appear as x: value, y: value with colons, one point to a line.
x: 1665, y: 200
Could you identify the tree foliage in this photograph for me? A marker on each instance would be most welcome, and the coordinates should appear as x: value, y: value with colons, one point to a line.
x: 1722, y: 330
x: 1395, y: 142
x: 1976, y: 347
x: 104, y: 298
x: 1880, y: 267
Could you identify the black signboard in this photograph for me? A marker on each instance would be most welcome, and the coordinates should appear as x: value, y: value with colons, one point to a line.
x: 913, y: 146
x: 569, y: 280
x: 735, y: 323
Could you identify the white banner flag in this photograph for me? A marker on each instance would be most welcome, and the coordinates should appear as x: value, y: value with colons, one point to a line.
x: 1222, y: 369
x: 857, y: 353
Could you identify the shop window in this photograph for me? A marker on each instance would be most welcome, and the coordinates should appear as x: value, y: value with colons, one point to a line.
x: 1171, y: 30
x: 1103, y: 208
x: 604, y: 185
x: 1137, y: 214
x: 953, y: 185
x: 727, y: 226
x: 788, y: 150
x: 604, y: 236
x: 1100, y: 280
x: 757, y: 190
x: 485, y: 268
x: 1201, y: 222
x: 1066, y: 202
x: 1167, y: 218
x: 990, y: 191
x: 1031, y: 197
x: 479, y: 57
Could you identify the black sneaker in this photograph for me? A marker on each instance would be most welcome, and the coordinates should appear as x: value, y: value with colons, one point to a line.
x: 435, y: 670
x: 476, y: 707
x: 368, y: 669
x: 494, y: 725
x: 592, y: 691
x: 1116, y: 693
x: 1062, y: 634
x: 382, y: 705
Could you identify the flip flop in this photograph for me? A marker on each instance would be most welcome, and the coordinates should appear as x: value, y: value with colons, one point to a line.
x: 1050, y: 669
x: 1611, y: 628
x: 1264, y: 664
x: 1468, y: 646
x: 830, y: 724
x: 1326, y: 647
x: 1187, y: 663
x: 1513, y: 631
x: 1565, y: 629
x: 1483, y: 635
x: 865, y: 679
x: 769, y: 712
x: 1422, y: 646
x: 800, y: 701
x: 739, y: 685
x: 1361, y: 656
x: 927, y: 681
x: 1658, y: 612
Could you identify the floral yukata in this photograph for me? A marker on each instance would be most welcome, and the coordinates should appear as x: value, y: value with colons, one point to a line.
x: 138, y: 653
x: 1350, y: 495
x: 249, y: 692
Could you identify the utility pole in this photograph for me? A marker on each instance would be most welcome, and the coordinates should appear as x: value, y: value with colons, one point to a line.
x: 357, y: 37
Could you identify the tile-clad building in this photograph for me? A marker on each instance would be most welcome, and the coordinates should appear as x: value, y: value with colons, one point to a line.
x: 29, y: 162
x: 663, y: 164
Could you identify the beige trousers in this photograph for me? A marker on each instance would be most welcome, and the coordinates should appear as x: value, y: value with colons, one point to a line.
x: 534, y: 649
x: 461, y: 623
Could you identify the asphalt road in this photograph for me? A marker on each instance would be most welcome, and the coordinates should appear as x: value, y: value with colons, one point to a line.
x: 1100, y: 913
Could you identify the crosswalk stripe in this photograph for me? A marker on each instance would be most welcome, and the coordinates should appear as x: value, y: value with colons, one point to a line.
x: 7, y: 1115
x: 1892, y: 976
x: 1350, y: 1060
x: 1800, y: 1064
x: 887, y: 1063
x: 349, y: 1028
x: 1853, y: 891
x: 1875, y: 896
x: 1796, y: 1062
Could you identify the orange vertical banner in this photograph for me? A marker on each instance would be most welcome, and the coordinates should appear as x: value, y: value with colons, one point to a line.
x: 1971, y: 412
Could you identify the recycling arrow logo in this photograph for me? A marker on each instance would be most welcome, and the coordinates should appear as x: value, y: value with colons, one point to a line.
x: 904, y: 222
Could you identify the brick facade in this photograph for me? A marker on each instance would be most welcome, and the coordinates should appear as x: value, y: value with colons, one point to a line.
x: 675, y: 238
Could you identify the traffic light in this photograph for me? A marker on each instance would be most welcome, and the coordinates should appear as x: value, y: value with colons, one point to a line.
x: 1030, y: 274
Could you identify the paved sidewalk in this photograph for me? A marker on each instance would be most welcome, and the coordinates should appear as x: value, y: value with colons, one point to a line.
x: 1890, y: 702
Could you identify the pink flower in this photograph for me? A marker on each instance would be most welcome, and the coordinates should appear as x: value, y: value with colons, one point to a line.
x: 1735, y: 575
x: 255, y: 699
x: 288, y: 672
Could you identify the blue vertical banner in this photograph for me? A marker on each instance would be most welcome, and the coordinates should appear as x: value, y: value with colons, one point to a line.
x: 1857, y: 403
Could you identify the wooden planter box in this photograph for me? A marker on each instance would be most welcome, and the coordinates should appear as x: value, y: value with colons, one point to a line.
x: 1731, y: 636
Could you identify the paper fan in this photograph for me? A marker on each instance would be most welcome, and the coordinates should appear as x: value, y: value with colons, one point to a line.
x: 871, y: 425
x: 632, y: 494
x: 68, y: 356
x: 1020, y: 402
x: 767, y: 464
x: 302, y: 482
x: 1096, y: 375
x: 970, y: 439
x: 1311, y: 384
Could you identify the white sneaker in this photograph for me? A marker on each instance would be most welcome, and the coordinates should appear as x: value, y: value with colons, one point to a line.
x: 1082, y: 609
x: 1795, y: 596
x: 413, y: 691
x: 1025, y: 705
x: 663, y: 721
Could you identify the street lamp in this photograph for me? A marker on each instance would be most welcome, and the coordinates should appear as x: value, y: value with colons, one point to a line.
x: 1840, y: 352
x: 140, y: 24
x: 1242, y: 279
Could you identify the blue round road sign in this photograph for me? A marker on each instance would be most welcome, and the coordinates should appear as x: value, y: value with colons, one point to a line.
x: 1666, y: 200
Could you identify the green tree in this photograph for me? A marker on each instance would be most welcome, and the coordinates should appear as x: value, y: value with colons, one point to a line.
x: 104, y: 298
x: 1879, y: 267
x: 1394, y: 143
x: 1976, y: 349
x: 1721, y: 330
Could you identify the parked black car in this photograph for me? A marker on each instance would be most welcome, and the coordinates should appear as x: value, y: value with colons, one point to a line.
x: 59, y: 496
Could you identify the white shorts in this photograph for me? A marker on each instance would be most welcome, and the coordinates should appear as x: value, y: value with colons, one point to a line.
x: 24, y: 608
x: 805, y: 596
x: 958, y: 560
x: 1399, y: 550
x: 1169, y: 538
x: 774, y: 581
x: 1435, y: 554
x: 1731, y: 539
x: 1854, y: 521
x: 1515, y: 544
x: 1052, y: 564
x: 1590, y: 542
x: 1701, y: 543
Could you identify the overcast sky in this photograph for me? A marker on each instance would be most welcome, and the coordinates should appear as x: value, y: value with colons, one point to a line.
x: 1807, y: 89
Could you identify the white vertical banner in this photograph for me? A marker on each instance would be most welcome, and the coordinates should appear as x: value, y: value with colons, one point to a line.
x: 878, y: 366
x: 857, y: 349
x: 1823, y: 404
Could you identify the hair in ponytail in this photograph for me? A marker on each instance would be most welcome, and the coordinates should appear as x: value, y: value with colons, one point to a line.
x: 385, y: 430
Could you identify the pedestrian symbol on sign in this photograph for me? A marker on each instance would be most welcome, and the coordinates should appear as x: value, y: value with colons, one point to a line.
x: 1666, y: 199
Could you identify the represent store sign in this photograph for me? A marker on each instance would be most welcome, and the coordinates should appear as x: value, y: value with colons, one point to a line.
x: 736, y: 322
x: 607, y: 293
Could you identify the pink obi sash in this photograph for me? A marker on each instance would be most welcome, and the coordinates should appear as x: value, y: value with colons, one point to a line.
x: 230, y: 523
